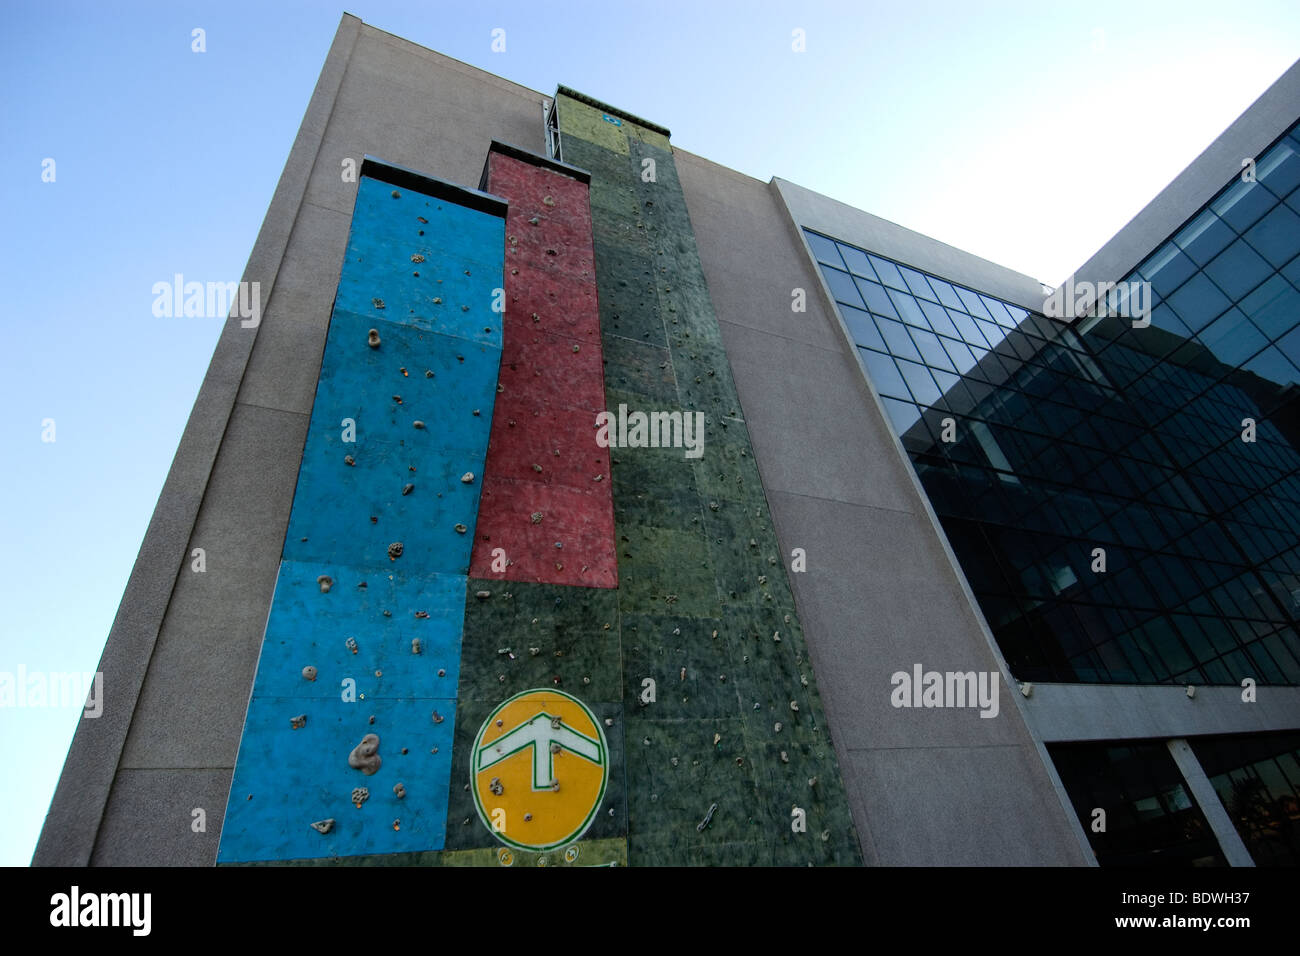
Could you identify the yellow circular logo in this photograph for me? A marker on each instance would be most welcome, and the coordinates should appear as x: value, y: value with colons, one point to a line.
x: 539, y: 769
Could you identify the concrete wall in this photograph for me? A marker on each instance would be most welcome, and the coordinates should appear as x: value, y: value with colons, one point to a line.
x: 179, y: 660
x: 927, y: 786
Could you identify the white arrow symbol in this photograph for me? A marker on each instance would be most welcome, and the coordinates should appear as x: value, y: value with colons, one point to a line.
x: 539, y: 733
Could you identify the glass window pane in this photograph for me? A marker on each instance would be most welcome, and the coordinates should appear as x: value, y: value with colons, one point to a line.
x: 1277, y: 236
x: 924, y: 390
x: 1274, y: 307
x: 1238, y: 269
x: 973, y: 304
x: 883, y: 373
x: 939, y: 320
x: 899, y: 342
x: 998, y: 311
x: 931, y: 351
x: 1167, y: 269
x: 916, y: 282
x: 903, y: 415
x: 1242, y: 204
x: 1232, y: 338
x: 962, y: 358
x: 1279, y: 170
x: 908, y: 310
x: 947, y: 294
x: 888, y: 274
x: 862, y: 328
x: 1198, y: 302
x: 967, y: 327
x: 842, y: 287
x: 857, y: 261
x: 824, y: 249
x: 877, y: 298
x: 1204, y: 237
x: 1273, y: 366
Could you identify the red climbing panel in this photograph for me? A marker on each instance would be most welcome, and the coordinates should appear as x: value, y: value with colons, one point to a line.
x: 546, y: 497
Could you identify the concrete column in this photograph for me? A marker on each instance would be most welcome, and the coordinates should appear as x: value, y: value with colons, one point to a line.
x: 1204, y: 794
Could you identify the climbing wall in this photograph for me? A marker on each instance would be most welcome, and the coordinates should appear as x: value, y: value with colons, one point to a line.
x: 348, y: 738
x: 734, y: 737
x: 547, y: 512
x: 623, y: 679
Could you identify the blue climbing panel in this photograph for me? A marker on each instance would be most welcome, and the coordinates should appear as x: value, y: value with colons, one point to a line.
x: 371, y: 587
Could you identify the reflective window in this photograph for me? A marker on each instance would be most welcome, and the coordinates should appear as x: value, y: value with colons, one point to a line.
x: 1114, y: 439
x: 1257, y: 778
x: 1150, y: 817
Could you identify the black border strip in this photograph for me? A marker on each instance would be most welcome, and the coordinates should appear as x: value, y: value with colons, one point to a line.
x: 387, y: 172
x: 613, y: 111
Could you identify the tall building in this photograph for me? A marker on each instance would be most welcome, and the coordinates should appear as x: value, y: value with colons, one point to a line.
x: 576, y: 500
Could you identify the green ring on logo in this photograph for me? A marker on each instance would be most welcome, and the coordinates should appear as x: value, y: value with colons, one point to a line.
x: 604, y: 777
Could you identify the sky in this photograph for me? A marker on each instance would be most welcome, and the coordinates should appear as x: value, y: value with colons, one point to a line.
x: 1026, y: 133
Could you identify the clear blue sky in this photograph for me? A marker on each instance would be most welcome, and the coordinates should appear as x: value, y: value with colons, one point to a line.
x: 1027, y: 133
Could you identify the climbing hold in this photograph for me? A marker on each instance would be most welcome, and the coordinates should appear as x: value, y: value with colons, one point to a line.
x: 537, y: 468
x: 396, y: 194
x: 397, y: 399
x: 421, y: 615
x: 309, y: 672
x: 533, y: 221
x: 534, y: 651
x: 399, y: 790
x: 372, y: 337
x: 437, y: 717
x: 372, y: 716
x: 784, y: 758
x: 528, y: 817
x: 349, y: 460
x: 428, y: 373
x: 461, y: 529
x: 394, y: 550
x: 417, y: 258
x: 609, y: 721
x: 803, y: 680
x: 794, y: 706
x: 467, y: 478
x: 476, y: 413
x: 722, y: 678
x: 826, y: 835
x: 548, y: 201
x: 365, y: 755
x: 403, y: 371
x: 776, y: 727
x: 326, y: 582
x: 323, y: 826
x: 416, y: 646
x: 297, y: 722
x: 812, y: 781
x: 417, y: 424
x: 708, y: 818
x: 776, y: 636
x: 359, y: 796
x: 683, y: 677
x: 500, y: 723
x: 536, y: 517
x: 482, y: 595
x: 442, y: 672
x: 496, y: 787
x: 717, y: 738
x: 576, y: 349
x: 351, y: 643
x: 407, y: 488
